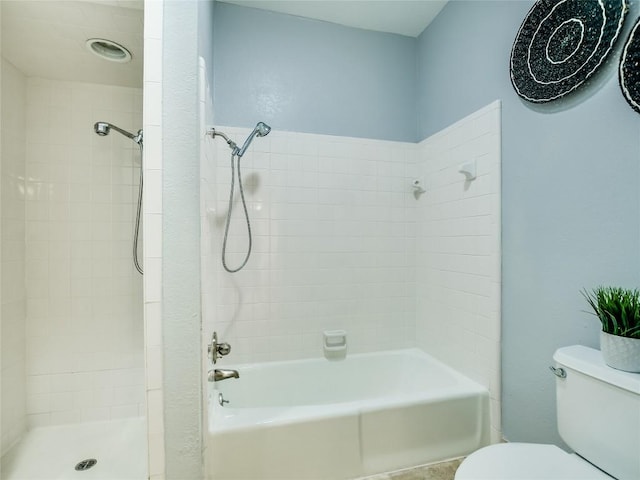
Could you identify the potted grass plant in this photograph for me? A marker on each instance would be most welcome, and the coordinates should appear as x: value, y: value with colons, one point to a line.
x: 619, y: 312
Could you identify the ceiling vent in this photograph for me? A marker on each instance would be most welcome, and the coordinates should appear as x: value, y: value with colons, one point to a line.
x: 108, y: 50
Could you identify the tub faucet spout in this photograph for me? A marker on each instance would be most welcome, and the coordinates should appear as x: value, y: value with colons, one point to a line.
x: 222, y: 374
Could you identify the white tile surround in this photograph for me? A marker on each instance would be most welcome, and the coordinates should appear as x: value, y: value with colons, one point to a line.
x: 333, y: 240
x: 12, y: 263
x: 84, y: 330
x: 340, y: 241
x: 458, y: 251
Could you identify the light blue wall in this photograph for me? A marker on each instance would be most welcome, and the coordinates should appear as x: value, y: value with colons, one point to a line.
x: 310, y: 76
x: 570, y: 214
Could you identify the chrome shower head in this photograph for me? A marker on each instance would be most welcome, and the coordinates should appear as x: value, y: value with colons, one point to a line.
x: 262, y: 129
x: 103, y: 129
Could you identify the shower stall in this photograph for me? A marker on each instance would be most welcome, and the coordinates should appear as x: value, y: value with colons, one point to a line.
x: 73, y: 366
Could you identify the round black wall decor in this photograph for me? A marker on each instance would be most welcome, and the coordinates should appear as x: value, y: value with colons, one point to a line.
x: 629, y: 71
x: 561, y: 43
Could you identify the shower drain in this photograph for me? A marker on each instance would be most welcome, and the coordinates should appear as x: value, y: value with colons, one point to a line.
x: 86, y: 464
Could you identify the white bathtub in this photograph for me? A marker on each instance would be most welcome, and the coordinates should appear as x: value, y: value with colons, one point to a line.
x: 320, y: 419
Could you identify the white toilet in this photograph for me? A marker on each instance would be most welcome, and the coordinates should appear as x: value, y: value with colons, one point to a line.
x: 598, y: 417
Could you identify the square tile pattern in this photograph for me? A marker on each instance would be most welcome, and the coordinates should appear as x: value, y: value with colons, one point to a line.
x: 12, y: 260
x: 341, y: 242
x: 84, y: 327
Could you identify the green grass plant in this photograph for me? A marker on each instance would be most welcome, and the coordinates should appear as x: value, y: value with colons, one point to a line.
x: 617, y: 308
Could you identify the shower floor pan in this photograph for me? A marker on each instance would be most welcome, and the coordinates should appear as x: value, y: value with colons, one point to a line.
x: 52, y: 453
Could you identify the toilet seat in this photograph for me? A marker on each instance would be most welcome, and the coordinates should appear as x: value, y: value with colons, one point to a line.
x: 520, y: 461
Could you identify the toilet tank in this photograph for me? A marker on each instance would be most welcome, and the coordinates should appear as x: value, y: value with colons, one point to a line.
x: 599, y: 411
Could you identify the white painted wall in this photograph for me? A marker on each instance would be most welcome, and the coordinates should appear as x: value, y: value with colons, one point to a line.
x: 181, y: 320
x: 458, y: 251
x: 175, y: 359
x: 12, y: 261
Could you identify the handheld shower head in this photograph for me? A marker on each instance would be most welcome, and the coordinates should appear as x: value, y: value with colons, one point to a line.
x: 261, y: 130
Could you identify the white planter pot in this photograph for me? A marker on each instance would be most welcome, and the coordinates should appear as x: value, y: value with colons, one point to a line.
x: 622, y: 353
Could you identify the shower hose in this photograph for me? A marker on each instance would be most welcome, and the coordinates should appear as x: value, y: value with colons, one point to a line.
x: 136, y: 232
x: 229, y: 210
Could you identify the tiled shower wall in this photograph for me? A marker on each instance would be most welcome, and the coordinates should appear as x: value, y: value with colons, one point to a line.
x: 458, y: 251
x: 333, y: 245
x: 84, y: 330
x: 12, y: 294
x: 340, y: 241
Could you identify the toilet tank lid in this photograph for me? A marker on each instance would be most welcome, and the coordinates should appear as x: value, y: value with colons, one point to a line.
x: 589, y: 362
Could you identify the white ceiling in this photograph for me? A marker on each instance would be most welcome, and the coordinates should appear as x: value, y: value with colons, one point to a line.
x: 404, y: 17
x: 45, y: 38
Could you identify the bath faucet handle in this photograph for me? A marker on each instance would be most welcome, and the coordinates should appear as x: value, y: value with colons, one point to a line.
x: 217, y: 350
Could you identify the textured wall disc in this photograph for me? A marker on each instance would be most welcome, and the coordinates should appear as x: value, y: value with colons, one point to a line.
x: 629, y: 72
x: 561, y: 43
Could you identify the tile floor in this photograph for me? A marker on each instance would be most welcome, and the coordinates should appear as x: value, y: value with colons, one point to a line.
x: 435, y: 471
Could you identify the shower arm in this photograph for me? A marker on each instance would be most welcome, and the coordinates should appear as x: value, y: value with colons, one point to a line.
x: 232, y: 145
x: 124, y: 132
